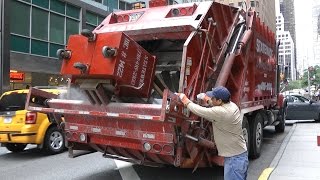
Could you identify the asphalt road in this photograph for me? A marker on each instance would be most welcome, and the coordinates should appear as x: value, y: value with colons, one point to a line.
x: 32, y: 164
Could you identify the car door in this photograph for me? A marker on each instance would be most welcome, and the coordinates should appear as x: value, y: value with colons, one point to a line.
x: 292, y: 107
x: 300, y: 108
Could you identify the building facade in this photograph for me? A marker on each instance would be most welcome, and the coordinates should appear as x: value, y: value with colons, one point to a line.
x: 33, y: 30
x: 288, y: 12
x: 286, y: 50
x: 316, y: 31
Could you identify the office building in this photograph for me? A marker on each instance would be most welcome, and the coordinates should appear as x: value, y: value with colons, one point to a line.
x: 316, y: 31
x: 33, y: 30
x: 286, y: 50
x: 288, y: 12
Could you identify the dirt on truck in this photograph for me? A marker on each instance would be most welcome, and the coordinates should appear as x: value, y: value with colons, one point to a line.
x: 129, y: 67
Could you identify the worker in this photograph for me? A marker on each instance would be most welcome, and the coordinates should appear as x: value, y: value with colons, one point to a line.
x: 227, y: 129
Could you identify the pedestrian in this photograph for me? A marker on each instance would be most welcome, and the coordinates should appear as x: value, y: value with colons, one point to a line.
x: 227, y: 129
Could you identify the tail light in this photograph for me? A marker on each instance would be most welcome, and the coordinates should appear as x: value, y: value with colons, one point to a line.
x: 31, y: 118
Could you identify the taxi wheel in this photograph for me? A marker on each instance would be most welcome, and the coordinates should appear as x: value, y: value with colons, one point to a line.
x: 13, y: 147
x: 54, y: 141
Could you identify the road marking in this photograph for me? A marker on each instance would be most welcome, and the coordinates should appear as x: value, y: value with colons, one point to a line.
x: 126, y: 170
x: 265, y: 174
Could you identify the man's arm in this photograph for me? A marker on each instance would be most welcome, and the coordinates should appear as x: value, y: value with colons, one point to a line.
x: 210, y: 114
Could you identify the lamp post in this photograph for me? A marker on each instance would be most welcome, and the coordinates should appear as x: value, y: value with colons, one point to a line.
x: 309, y: 82
x: 310, y: 68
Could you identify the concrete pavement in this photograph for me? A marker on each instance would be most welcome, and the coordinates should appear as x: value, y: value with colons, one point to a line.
x: 298, y: 157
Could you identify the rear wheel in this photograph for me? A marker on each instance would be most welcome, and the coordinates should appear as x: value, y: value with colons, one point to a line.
x: 282, y: 122
x: 54, y: 141
x: 256, y: 131
x: 246, y: 132
x: 14, y: 147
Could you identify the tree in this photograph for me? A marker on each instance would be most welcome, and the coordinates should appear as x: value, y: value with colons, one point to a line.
x: 314, y: 74
x: 295, y: 85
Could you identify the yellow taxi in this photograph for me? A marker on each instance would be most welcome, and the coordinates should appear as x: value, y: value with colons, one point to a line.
x: 19, y: 127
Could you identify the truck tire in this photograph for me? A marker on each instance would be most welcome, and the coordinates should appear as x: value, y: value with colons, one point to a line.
x: 14, y: 147
x: 54, y: 141
x: 282, y: 122
x: 246, y: 132
x: 256, y: 136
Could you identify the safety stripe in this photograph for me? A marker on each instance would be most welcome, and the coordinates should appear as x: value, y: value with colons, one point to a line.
x: 159, y: 137
x: 95, y: 113
x: 266, y: 174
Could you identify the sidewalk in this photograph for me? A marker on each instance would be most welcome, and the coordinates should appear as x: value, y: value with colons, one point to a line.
x: 299, y: 156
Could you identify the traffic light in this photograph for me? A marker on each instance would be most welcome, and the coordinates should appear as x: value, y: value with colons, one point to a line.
x: 281, y: 76
x: 138, y: 5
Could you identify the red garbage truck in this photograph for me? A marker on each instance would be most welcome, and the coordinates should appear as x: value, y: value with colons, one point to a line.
x: 124, y: 73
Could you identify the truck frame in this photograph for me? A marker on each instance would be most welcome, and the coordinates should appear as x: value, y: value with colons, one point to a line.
x: 127, y: 70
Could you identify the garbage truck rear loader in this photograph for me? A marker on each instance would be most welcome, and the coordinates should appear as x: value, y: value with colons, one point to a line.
x: 129, y: 67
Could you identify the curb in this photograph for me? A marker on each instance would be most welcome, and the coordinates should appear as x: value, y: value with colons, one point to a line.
x: 273, y: 165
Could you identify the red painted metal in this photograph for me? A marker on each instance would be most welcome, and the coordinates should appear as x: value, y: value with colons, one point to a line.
x: 131, y: 66
x: 318, y: 140
x: 156, y: 3
x: 187, y: 48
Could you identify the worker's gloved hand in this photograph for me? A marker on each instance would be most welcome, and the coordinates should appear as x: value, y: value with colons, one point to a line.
x: 204, y: 97
x: 183, y: 98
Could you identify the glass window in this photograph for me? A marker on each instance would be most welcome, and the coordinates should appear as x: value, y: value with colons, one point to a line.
x: 91, y: 18
x: 53, y: 50
x: 39, y: 47
x: 122, y: 5
x: 39, y: 24
x: 27, y: 0
x: 42, y: 3
x: 105, y: 2
x: 19, y: 18
x: 252, y: 3
x: 100, y: 19
x: 73, y: 11
x: 128, y: 6
x: 19, y: 44
x: 13, y: 102
x: 56, y: 28
x: 112, y: 4
x: 90, y: 27
x: 57, y: 6
x: 99, y: 1
x: 72, y: 27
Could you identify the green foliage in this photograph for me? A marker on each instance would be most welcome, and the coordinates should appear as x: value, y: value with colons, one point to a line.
x: 295, y: 85
x: 314, y: 76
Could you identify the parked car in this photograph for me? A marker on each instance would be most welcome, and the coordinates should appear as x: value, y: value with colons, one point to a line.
x: 19, y: 127
x: 302, y: 108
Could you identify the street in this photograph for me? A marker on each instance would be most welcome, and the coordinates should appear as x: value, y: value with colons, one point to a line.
x: 32, y: 164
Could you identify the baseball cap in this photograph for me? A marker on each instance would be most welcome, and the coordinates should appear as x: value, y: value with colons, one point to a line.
x: 219, y: 92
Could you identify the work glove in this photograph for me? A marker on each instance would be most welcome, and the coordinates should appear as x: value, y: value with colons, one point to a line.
x: 204, y: 98
x: 183, y: 98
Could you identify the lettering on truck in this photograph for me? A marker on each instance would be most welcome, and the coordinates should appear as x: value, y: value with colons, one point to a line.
x: 143, y: 71
x: 263, y: 48
x: 122, y: 63
x: 136, y: 68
